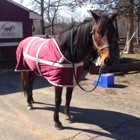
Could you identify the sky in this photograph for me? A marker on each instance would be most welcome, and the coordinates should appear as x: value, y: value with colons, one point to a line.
x: 80, y: 13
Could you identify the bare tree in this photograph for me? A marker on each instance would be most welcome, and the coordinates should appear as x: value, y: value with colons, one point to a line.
x: 48, y: 9
x: 45, y: 8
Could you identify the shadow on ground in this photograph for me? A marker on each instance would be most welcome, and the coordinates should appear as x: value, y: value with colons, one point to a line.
x: 10, y: 82
x: 119, y: 126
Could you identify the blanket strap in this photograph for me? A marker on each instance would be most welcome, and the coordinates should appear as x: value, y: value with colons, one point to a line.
x: 37, y: 54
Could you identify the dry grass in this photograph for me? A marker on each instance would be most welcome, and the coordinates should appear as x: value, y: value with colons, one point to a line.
x: 130, y: 58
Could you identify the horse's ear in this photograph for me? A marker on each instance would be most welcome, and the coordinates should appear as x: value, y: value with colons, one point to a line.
x: 95, y: 16
x: 113, y: 16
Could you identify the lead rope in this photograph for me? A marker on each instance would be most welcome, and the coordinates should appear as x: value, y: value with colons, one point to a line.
x: 72, y: 54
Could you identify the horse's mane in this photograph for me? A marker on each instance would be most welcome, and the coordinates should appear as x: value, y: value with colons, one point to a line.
x: 79, y: 28
x: 81, y: 36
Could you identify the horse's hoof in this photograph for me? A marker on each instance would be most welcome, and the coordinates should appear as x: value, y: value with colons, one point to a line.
x: 69, y: 119
x: 59, y: 126
x: 33, y: 101
x: 30, y: 106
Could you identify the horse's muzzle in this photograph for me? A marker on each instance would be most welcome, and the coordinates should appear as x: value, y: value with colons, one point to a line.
x: 108, y: 62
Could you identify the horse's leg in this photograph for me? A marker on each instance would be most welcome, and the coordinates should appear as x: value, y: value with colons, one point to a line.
x: 27, y: 81
x: 31, y: 79
x: 67, y: 104
x: 58, y: 93
x: 26, y: 87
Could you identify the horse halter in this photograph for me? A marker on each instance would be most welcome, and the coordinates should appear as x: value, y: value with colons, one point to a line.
x: 99, y: 48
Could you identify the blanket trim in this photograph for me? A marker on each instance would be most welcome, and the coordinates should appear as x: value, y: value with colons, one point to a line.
x: 37, y: 54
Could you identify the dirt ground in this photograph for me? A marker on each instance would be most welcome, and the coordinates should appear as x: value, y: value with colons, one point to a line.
x: 105, y: 114
x: 125, y: 90
x: 127, y: 85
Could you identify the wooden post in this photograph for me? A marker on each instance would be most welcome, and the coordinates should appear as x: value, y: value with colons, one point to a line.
x: 138, y: 29
x: 116, y: 68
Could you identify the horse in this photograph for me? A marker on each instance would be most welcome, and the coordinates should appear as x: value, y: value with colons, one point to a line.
x: 73, y: 45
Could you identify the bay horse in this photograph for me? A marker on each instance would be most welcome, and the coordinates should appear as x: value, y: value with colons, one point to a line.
x: 97, y: 35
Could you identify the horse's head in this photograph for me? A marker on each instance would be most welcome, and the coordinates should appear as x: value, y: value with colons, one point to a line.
x: 103, y: 36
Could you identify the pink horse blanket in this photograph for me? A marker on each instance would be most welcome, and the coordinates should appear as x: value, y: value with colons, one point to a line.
x: 44, y: 57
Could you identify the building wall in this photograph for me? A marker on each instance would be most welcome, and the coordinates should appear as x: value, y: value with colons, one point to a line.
x: 11, y: 12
